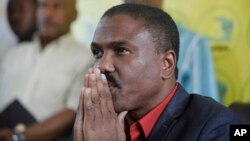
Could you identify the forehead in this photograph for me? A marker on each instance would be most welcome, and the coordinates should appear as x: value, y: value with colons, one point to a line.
x: 68, y: 5
x: 54, y: 1
x: 118, y: 27
x: 20, y: 2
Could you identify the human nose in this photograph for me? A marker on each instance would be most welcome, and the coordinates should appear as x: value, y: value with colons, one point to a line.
x: 46, y: 11
x: 105, y: 64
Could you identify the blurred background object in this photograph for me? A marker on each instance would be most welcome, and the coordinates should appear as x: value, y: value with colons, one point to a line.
x: 17, y: 23
x: 40, y: 80
x: 226, y: 24
x: 8, y: 39
x: 22, y: 18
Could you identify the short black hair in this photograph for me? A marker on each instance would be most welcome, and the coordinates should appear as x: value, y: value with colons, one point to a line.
x: 160, y: 25
x: 33, y: 1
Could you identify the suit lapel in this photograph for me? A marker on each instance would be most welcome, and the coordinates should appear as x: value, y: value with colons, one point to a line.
x: 169, y: 116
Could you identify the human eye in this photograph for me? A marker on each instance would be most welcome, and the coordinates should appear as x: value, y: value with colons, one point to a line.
x: 59, y: 5
x: 122, y: 51
x: 97, y: 52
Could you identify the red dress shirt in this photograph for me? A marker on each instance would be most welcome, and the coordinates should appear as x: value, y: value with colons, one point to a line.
x: 140, y: 130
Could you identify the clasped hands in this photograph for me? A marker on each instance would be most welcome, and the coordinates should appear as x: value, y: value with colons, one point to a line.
x: 96, y: 118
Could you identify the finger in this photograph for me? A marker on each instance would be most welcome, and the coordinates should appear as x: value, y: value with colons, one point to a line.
x: 107, y: 95
x: 99, y: 82
x: 94, y: 92
x: 88, y: 105
x: 86, y: 80
x: 78, y: 126
x: 100, y: 89
x: 81, y: 104
x: 90, y: 70
x: 95, y: 96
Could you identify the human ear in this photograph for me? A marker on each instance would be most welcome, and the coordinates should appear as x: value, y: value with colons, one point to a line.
x: 168, y: 64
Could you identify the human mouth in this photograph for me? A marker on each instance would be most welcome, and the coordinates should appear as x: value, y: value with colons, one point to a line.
x: 113, y: 88
x: 112, y: 81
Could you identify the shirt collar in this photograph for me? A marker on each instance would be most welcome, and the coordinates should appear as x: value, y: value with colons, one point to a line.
x: 148, y: 121
x: 62, y: 40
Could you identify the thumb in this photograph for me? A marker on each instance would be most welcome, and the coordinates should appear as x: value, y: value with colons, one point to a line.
x: 121, y: 117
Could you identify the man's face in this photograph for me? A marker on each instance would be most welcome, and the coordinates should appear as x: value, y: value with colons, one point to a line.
x: 125, y: 52
x: 55, y: 17
x: 21, y: 16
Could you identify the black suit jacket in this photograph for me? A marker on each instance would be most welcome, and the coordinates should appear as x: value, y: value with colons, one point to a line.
x: 191, y: 117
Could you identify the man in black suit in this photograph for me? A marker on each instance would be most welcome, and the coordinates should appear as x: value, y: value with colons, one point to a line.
x: 131, y: 93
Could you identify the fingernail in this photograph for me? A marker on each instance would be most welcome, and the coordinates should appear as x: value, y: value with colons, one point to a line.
x: 90, y: 70
x: 103, y: 77
x: 97, y: 71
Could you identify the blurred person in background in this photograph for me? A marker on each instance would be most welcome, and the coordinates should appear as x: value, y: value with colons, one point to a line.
x: 42, y: 79
x: 196, y: 68
x: 22, y: 18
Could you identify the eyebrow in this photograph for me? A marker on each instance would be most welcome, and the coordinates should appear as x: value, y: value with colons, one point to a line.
x: 118, y: 43
x: 94, y: 44
x: 112, y: 44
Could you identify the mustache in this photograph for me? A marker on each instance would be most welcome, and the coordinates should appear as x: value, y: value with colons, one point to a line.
x: 111, y: 79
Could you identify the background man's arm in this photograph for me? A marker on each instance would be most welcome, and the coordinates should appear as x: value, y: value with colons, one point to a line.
x: 51, y: 128
x: 48, y: 130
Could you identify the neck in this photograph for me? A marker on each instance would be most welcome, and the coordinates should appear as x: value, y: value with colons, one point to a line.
x: 137, y: 114
x: 25, y: 39
x: 44, y: 42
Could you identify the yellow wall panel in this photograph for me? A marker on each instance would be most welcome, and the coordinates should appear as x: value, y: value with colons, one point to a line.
x: 225, y: 23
